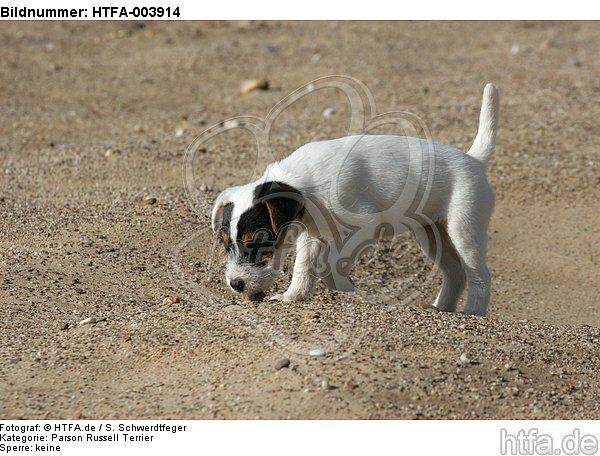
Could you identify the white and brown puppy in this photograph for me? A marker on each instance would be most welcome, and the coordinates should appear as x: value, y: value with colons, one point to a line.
x: 333, y: 199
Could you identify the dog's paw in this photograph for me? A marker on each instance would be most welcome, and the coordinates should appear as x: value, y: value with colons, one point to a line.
x: 288, y: 297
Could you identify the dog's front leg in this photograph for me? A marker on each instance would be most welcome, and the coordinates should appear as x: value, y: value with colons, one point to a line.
x: 304, y: 276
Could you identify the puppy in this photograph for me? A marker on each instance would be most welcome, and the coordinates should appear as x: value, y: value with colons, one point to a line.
x: 334, y: 199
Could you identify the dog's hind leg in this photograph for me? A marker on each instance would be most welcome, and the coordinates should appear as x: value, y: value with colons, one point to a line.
x: 468, y: 232
x: 447, y: 259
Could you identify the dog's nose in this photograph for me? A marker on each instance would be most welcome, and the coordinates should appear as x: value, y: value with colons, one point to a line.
x: 237, y: 285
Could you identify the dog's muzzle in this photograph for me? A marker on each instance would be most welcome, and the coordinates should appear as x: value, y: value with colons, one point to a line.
x: 239, y: 285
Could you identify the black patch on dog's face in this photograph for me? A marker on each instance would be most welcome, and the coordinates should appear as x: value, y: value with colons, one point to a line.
x: 275, y: 205
x: 255, y: 237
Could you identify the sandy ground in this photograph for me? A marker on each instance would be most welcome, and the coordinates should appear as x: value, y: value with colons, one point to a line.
x: 95, y: 120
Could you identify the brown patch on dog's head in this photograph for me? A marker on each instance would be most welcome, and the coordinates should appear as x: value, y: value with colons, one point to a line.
x: 224, y: 237
x: 248, y: 238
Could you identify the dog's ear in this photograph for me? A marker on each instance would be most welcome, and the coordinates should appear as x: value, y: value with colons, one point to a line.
x: 284, y: 203
x: 221, y: 213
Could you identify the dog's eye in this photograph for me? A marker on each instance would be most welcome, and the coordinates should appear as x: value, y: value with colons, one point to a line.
x: 256, y: 246
x: 257, y: 253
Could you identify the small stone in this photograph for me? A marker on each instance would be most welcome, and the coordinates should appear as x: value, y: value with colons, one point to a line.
x: 63, y: 326
x: 201, y: 150
x: 465, y: 359
x: 573, y: 62
x: 90, y: 321
x: 253, y: 84
x: 179, y: 132
x: 149, y: 201
x: 282, y: 363
x: 328, y: 112
x: 325, y: 385
x: 514, y: 50
x: 313, y: 317
x: 508, y: 366
x: 316, y: 352
x: 233, y: 123
x: 204, y: 188
x: 168, y: 301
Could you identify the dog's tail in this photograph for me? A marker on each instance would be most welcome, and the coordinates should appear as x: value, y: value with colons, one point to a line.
x: 484, y: 143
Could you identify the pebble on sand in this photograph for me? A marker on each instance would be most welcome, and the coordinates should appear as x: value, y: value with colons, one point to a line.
x: 231, y: 123
x: 253, y: 84
x: 316, y: 352
x: 168, y: 301
x: 328, y: 112
x: 282, y: 363
x: 90, y: 321
x: 148, y: 201
x: 465, y: 359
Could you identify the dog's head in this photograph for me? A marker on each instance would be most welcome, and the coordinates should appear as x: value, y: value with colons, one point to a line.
x: 252, y: 222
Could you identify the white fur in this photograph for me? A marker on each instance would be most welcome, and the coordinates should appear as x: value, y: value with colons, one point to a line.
x: 356, y: 184
x: 256, y: 279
